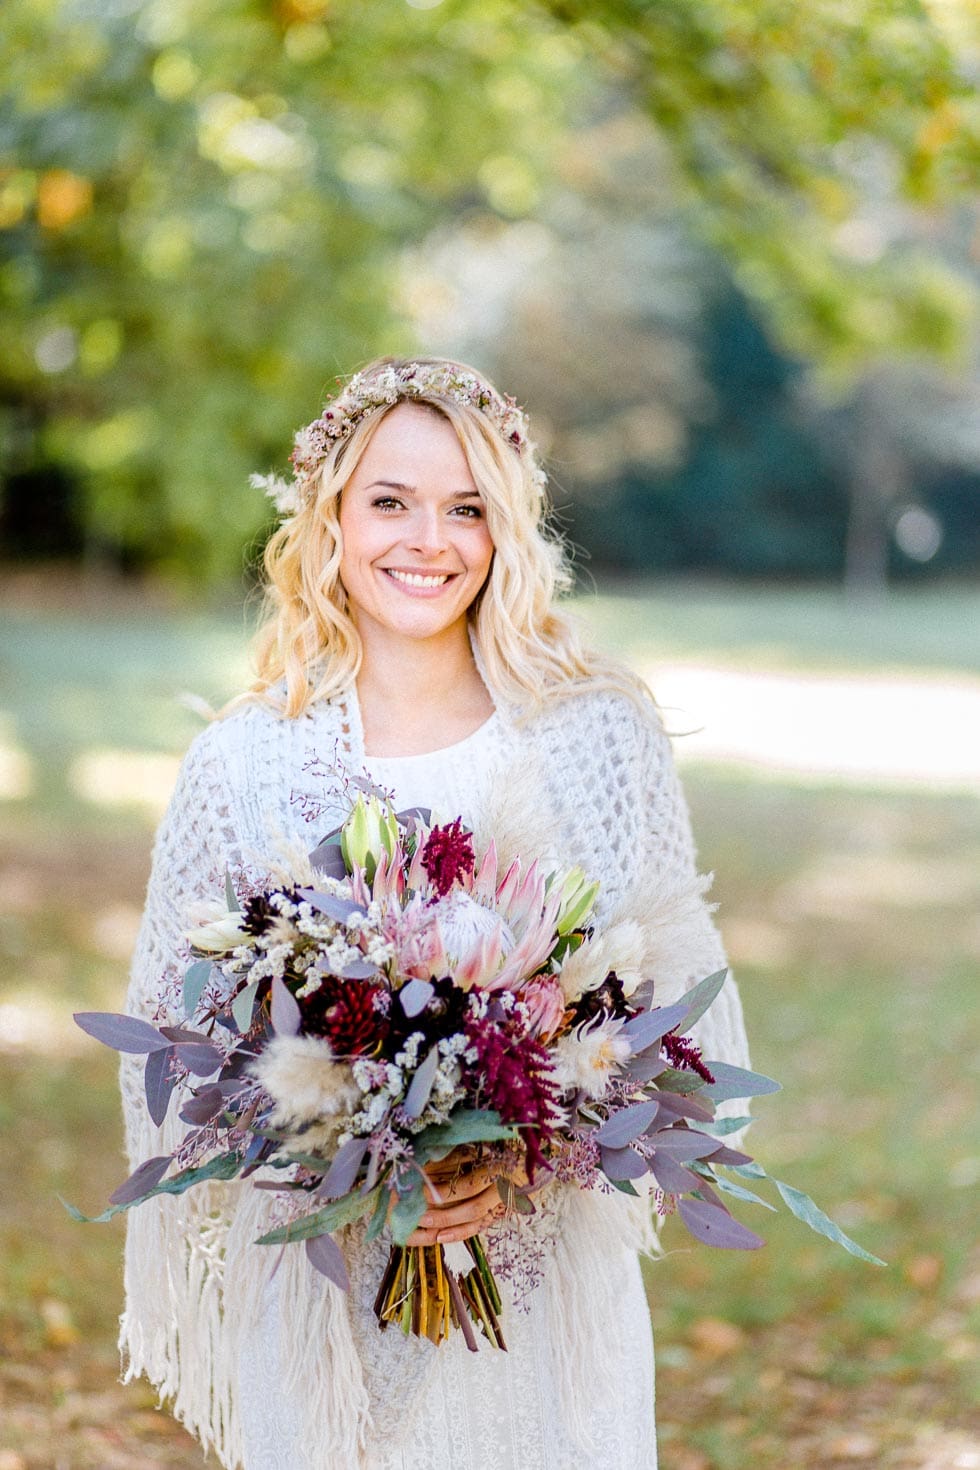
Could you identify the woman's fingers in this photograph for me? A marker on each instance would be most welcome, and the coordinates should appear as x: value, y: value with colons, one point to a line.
x: 475, y: 1206
x: 457, y: 1186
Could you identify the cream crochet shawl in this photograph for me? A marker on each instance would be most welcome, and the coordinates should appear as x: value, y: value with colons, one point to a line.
x: 589, y: 780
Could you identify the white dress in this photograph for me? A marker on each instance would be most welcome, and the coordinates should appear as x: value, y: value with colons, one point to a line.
x: 287, y: 1374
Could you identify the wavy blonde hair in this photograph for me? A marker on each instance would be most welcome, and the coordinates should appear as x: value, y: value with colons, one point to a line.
x: 307, y: 647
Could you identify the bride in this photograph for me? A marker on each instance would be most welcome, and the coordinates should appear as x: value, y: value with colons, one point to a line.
x: 412, y: 636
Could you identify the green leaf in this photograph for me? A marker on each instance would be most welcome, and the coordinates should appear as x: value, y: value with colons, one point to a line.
x: 222, y: 1166
x: 377, y: 1221
x: 672, y: 1079
x: 728, y: 1186
x: 468, y: 1125
x: 701, y: 996
x: 624, y: 1186
x: 407, y: 1211
x: 804, y: 1209
x: 231, y: 897
x: 737, y: 1082
x: 243, y: 1005
x: 195, y: 980
x: 721, y: 1127
x: 337, y: 1213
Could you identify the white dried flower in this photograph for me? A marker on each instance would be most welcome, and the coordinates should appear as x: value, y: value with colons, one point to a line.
x: 313, y: 1093
x: 588, y: 1057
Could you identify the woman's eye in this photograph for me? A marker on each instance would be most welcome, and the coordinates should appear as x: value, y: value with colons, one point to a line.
x: 469, y: 512
x: 386, y: 502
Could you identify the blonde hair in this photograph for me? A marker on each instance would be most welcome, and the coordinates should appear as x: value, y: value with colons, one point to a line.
x: 307, y: 647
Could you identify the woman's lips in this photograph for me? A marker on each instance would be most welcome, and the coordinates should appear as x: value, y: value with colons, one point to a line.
x: 419, y: 581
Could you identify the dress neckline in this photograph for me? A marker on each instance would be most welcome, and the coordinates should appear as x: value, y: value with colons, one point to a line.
x: 443, y: 750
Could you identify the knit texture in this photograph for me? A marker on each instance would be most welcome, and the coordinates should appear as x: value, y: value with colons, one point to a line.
x: 287, y: 1373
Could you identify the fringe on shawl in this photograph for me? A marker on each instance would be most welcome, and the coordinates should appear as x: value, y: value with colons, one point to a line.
x: 196, y: 1285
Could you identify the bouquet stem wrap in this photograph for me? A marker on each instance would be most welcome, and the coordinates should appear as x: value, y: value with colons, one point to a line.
x: 421, y: 1293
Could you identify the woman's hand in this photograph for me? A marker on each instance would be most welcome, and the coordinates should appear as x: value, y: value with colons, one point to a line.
x: 463, y: 1200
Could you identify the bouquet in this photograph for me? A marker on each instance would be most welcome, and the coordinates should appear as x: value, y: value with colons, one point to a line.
x: 414, y: 1002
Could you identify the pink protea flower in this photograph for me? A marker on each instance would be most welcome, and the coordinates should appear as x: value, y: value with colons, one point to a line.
x: 545, y: 1001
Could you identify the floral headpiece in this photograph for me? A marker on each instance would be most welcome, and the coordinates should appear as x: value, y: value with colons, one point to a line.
x: 369, y: 391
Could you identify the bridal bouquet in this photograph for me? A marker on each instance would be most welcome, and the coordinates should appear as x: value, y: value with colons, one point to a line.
x: 414, y: 1001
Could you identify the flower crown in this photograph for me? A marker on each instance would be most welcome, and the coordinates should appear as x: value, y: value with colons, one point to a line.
x: 368, y: 391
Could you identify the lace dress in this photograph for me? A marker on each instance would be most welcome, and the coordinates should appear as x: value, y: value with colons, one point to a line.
x: 269, y: 1365
x: 488, y: 1410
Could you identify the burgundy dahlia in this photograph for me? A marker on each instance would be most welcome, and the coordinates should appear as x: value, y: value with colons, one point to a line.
x: 447, y: 855
x: 348, y: 1013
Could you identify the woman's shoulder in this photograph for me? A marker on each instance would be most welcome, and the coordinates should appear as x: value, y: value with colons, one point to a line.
x: 599, y: 712
x: 252, y: 728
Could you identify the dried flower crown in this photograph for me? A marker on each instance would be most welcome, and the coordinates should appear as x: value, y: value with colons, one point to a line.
x: 381, y: 387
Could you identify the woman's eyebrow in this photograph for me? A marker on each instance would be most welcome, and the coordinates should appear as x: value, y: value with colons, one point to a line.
x: 410, y: 490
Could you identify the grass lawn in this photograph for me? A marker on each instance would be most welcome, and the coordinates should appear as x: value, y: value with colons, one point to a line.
x: 851, y: 918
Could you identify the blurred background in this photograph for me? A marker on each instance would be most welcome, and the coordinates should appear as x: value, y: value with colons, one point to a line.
x: 727, y: 252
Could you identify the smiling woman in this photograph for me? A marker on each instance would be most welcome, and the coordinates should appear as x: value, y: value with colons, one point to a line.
x: 413, y: 641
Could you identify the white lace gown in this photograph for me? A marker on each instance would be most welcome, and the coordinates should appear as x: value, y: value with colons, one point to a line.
x: 488, y: 1410
x: 289, y: 1374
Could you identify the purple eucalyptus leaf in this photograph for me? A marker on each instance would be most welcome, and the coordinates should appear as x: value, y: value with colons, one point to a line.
x: 649, y: 1026
x: 622, y: 1163
x: 414, y: 816
x: 676, y: 1105
x: 671, y: 1177
x: 627, y: 1124
x: 199, y: 1057
x: 725, y: 1155
x: 683, y: 1144
x: 325, y: 1256
x: 341, y: 1177
x: 141, y: 1181
x: 415, y: 996
x: 645, y: 1066
x: 421, y: 1085
x: 717, y: 1227
x: 183, y: 1033
x: 122, y: 1033
x: 285, y: 1011
x: 328, y: 859
x: 359, y: 970
x: 205, y: 1105
x: 159, y: 1081
x: 329, y: 904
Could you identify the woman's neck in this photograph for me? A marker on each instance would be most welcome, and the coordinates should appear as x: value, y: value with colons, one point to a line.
x: 417, y: 696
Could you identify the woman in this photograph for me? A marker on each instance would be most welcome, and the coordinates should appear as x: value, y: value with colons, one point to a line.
x: 412, y: 636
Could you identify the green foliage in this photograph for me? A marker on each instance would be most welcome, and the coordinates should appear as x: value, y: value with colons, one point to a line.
x: 207, y: 206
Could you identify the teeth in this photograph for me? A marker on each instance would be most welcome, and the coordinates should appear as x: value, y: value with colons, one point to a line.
x: 415, y: 579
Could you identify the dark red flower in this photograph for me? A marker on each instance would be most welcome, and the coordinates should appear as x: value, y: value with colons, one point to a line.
x: 680, y: 1051
x: 513, y: 1075
x: 447, y: 855
x: 348, y: 1014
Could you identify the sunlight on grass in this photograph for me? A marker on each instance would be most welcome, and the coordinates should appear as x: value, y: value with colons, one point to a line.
x: 124, y: 778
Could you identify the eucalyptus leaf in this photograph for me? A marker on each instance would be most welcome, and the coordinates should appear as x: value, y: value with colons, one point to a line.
x: 407, y: 1211
x: 331, y: 1217
x: 231, y: 897
x: 200, y: 1058
x: 625, y: 1125
x: 716, y: 1227
x: 122, y: 1033
x: 141, y: 1181
x: 379, y: 1216
x: 701, y: 996
x: 336, y: 908
x: 341, y: 1177
x: 674, y: 1079
x: 722, y: 1127
x: 728, y: 1186
x: 804, y: 1209
x: 421, y: 1085
x: 415, y: 995
x: 671, y: 1176
x: 159, y: 1082
x: 222, y: 1166
x: 328, y: 859
x: 325, y: 1256
x: 737, y: 1082
x: 622, y: 1163
x: 467, y: 1125
x: 649, y: 1026
x: 243, y: 1005
x: 683, y: 1144
x: 286, y: 1016
x: 195, y: 982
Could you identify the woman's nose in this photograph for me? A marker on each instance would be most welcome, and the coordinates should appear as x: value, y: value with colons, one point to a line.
x: 427, y: 533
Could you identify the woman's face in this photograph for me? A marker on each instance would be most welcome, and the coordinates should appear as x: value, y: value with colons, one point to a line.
x: 416, y: 549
